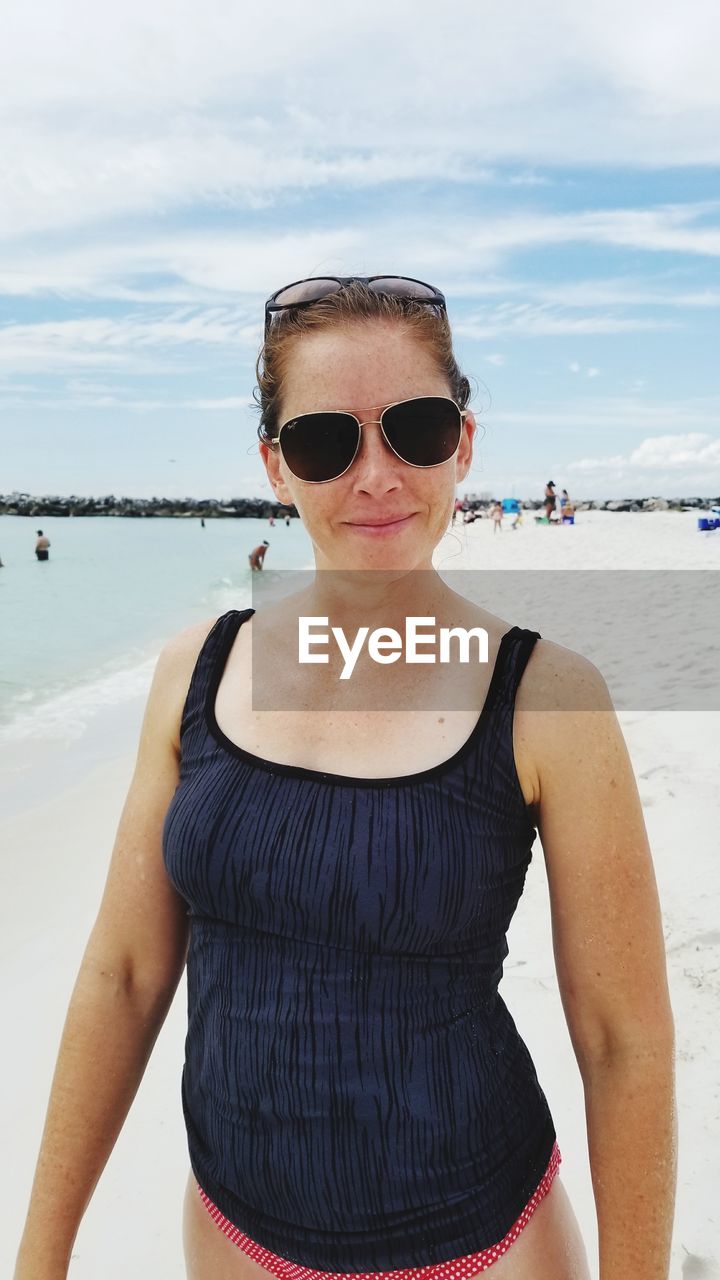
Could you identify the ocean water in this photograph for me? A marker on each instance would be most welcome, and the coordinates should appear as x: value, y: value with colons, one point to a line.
x: 81, y: 631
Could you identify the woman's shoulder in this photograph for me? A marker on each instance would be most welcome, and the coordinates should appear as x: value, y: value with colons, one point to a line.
x: 174, y: 670
x: 560, y: 679
x: 556, y: 720
x: 182, y: 649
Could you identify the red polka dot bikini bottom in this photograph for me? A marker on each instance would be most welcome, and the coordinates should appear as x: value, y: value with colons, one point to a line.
x: 455, y: 1269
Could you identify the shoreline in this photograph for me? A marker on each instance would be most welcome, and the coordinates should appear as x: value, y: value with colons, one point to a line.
x: 656, y: 542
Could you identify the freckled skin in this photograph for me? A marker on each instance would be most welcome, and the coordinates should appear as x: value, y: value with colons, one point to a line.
x: 362, y: 368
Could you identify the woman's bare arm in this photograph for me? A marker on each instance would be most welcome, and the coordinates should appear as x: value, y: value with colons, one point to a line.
x: 128, y: 975
x: 609, y: 952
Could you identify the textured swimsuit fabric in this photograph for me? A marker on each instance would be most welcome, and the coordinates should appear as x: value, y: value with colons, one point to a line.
x: 356, y: 1094
x: 464, y: 1268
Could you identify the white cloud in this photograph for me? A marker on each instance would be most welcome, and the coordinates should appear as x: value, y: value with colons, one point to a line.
x: 592, y: 372
x: 147, y: 108
x: 205, y: 266
x: 95, y: 341
x: 629, y: 414
x: 694, y: 449
x: 612, y: 293
x: 541, y: 321
x: 137, y: 341
x: 129, y: 404
x: 674, y: 465
x: 677, y: 228
x: 222, y: 404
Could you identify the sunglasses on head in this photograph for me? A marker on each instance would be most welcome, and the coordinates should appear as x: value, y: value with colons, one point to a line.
x: 302, y: 293
x: 423, y: 431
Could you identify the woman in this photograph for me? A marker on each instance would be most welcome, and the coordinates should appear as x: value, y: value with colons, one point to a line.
x: 356, y: 1094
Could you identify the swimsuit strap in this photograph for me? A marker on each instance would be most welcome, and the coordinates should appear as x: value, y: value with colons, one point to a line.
x: 519, y: 644
x: 215, y: 648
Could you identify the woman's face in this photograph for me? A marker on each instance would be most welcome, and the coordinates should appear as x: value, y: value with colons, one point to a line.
x: 362, y: 368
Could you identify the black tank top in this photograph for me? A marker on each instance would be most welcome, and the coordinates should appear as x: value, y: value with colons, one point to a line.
x: 356, y: 1093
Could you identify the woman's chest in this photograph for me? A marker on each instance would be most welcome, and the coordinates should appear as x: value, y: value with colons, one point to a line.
x: 387, y: 724
x: 407, y: 868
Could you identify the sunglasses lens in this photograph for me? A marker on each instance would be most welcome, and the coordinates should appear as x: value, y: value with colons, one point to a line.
x: 403, y: 288
x: 306, y: 291
x: 319, y: 446
x: 425, y: 431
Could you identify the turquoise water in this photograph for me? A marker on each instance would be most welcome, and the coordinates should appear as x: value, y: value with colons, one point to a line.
x: 81, y: 631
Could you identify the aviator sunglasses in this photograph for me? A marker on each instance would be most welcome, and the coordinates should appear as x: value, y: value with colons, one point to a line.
x: 424, y: 431
x: 302, y: 293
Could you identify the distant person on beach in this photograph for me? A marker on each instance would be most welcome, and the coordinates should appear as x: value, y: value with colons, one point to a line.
x: 271, y: 520
x: 338, y: 887
x: 202, y: 522
x: 549, y: 498
x: 42, y: 546
x: 518, y: 519
x: 257, y: 556
x: 566, y: 507
x: 457, y: 506
x: 497, y: 515
x: 287, y: 519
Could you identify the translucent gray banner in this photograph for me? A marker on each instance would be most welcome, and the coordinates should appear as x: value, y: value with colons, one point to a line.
x: 653, y: 634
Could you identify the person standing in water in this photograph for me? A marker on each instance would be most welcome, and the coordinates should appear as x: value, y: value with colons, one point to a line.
x: 42, y: 546
x: 257, y: 555
x: 357, y: 1095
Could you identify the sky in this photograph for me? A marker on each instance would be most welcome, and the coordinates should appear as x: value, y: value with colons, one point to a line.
x: 552, y: 168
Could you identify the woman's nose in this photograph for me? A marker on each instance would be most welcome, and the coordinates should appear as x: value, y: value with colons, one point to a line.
x: 374, y: 453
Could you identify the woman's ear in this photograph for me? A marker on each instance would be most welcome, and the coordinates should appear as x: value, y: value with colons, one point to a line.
x: 272, y: 458
x: 463, y: 457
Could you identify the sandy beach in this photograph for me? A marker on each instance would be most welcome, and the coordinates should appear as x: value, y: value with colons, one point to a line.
x: 58, y: 850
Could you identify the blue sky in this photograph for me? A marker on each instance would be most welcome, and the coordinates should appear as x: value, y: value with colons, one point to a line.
x: 554, y: 169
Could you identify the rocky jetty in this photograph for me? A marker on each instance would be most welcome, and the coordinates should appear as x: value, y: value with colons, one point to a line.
x: 25, y: 504
x: 639, y: 504
x: 610, y: 504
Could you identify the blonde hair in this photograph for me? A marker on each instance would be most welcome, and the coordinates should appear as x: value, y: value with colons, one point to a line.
x: 355, y: 302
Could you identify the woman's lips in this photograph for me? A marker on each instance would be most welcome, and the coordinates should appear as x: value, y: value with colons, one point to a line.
x: 380, y: 530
